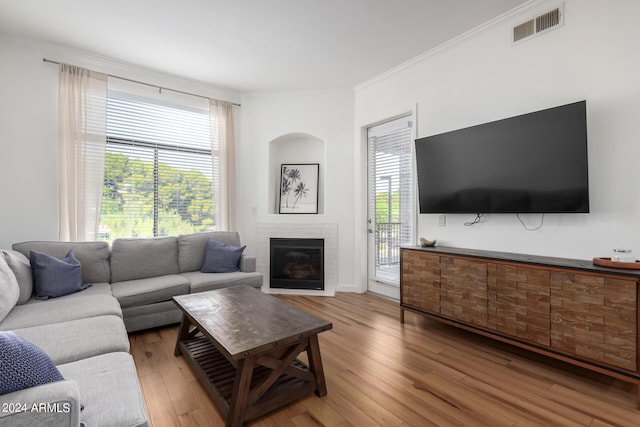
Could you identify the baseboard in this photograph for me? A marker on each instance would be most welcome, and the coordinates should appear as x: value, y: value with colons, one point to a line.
x: 349, y: 288
x: 324, y: 293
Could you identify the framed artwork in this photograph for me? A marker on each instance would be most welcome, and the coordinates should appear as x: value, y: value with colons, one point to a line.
x: 299, y: 188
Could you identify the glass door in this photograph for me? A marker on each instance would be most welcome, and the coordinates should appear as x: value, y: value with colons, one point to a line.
x: 391, y: 214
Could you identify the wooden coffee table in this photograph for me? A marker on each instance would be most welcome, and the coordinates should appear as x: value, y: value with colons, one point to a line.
x: 243, y: 345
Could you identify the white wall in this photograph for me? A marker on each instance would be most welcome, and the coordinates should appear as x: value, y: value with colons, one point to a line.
x: 29, y: 130
x: 28, y: 145
x: 325, y: 115
x: 483, y: 77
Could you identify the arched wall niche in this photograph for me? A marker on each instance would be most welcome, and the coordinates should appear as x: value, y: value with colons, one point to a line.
x: 294, y: 148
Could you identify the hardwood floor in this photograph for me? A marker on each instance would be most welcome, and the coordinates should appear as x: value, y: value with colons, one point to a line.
x: 382, y: 373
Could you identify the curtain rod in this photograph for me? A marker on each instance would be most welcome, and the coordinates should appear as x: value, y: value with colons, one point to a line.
x: 147, y: 84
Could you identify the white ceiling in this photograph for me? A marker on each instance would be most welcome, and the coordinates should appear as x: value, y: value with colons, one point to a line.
x: 253, y: 45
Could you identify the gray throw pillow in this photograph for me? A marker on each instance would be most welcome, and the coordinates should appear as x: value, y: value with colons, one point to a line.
x: 21, y: 267
x: 221, y: 258
x: 53, y: 277
x: 9, y: 290
x: 24, y: 365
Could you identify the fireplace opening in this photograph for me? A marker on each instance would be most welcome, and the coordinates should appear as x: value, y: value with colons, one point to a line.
x: 297, y: 263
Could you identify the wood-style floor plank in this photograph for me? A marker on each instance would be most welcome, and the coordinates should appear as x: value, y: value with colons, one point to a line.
x: 380, y: 372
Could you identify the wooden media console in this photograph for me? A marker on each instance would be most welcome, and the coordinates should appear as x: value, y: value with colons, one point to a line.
x: 567, y: 309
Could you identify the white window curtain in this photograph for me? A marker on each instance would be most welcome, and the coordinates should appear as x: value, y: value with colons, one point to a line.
x: 223, y: 158
x: 82, y: 117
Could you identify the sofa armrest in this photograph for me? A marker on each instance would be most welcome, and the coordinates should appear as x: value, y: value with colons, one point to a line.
x: 247, y: 264
x: 54, y: 404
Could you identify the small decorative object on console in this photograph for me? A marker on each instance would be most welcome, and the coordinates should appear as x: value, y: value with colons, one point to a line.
x: 606, y: 262
x: 623, y: 255
x: 427, y: 243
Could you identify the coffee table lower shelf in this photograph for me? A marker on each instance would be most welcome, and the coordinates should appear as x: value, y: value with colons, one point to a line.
x: 218, y: 376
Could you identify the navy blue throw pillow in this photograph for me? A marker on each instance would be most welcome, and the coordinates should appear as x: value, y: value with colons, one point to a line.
x: 221, y: 258
x: 53, y: 277
x: 24, y: 365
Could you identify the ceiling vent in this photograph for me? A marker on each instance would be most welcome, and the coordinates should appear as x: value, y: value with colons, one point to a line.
x: 540, y: 24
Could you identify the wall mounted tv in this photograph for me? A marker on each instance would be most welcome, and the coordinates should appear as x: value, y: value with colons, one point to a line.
x: 533, y: 163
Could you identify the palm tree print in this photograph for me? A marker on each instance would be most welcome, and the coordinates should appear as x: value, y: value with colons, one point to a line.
x: 298, y: 182
x: 286, y: 186
x: 301, y: 191
x: 289, y: 178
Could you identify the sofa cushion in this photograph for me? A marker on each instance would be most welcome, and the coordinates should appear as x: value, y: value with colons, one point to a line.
x: 247, y: 264
x: 192, y: 247
x: 109, y: 389
x: 93, y: 256
x: 151, y: 315
x: 60, y: 310
x: 53, y: 277
x: 23, y: 364
x: 9, y: 289
x: 147, y: 291
x: 95, y: 289
x: 133, y: 259
x: 21, y: 268
x: 201, y: 282
x: 221, y: 258
x: 66, y: 342
x: 63, y: 394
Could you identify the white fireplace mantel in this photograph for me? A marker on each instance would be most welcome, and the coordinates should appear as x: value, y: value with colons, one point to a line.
x: 328, y: 232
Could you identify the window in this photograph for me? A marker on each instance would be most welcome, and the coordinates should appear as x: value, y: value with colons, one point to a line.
x: 158, y: 169
x: 391, y: 200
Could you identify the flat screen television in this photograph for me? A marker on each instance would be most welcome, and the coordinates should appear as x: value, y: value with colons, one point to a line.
x: 532, y: 163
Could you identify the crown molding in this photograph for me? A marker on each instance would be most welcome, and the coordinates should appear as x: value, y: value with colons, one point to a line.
x: 454, y: 41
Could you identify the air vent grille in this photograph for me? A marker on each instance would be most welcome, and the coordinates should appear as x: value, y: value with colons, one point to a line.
x: 548, y: 20
x: 523, y: 31
x: 540, y: 23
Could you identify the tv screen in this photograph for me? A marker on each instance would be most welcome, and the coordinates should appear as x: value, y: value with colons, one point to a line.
x: 533, y: 163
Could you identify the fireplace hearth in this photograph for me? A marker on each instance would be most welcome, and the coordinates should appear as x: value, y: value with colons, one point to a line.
x: 297, y: 263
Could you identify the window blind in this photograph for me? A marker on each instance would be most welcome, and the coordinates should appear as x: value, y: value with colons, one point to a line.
x: 158, y: 169
x: 391, y: 196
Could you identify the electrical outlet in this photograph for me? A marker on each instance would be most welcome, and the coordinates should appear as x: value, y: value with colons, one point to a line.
x: 442, y: 220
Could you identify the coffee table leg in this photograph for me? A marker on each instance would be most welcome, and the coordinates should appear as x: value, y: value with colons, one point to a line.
x: 315, y: 365
x: 183, y: 333
x: 240, y: 395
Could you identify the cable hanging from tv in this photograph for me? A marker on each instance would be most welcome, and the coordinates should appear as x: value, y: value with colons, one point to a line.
x: 477, y: 219
x: 529, y: 228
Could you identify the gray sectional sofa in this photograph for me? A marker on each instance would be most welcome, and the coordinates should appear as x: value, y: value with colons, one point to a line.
x: 85, y: 333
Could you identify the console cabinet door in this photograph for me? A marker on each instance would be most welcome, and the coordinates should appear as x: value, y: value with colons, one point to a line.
x: 519, y: 302
x: 420, y: 280
x: 463, y: 290
x: 595, y: 318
